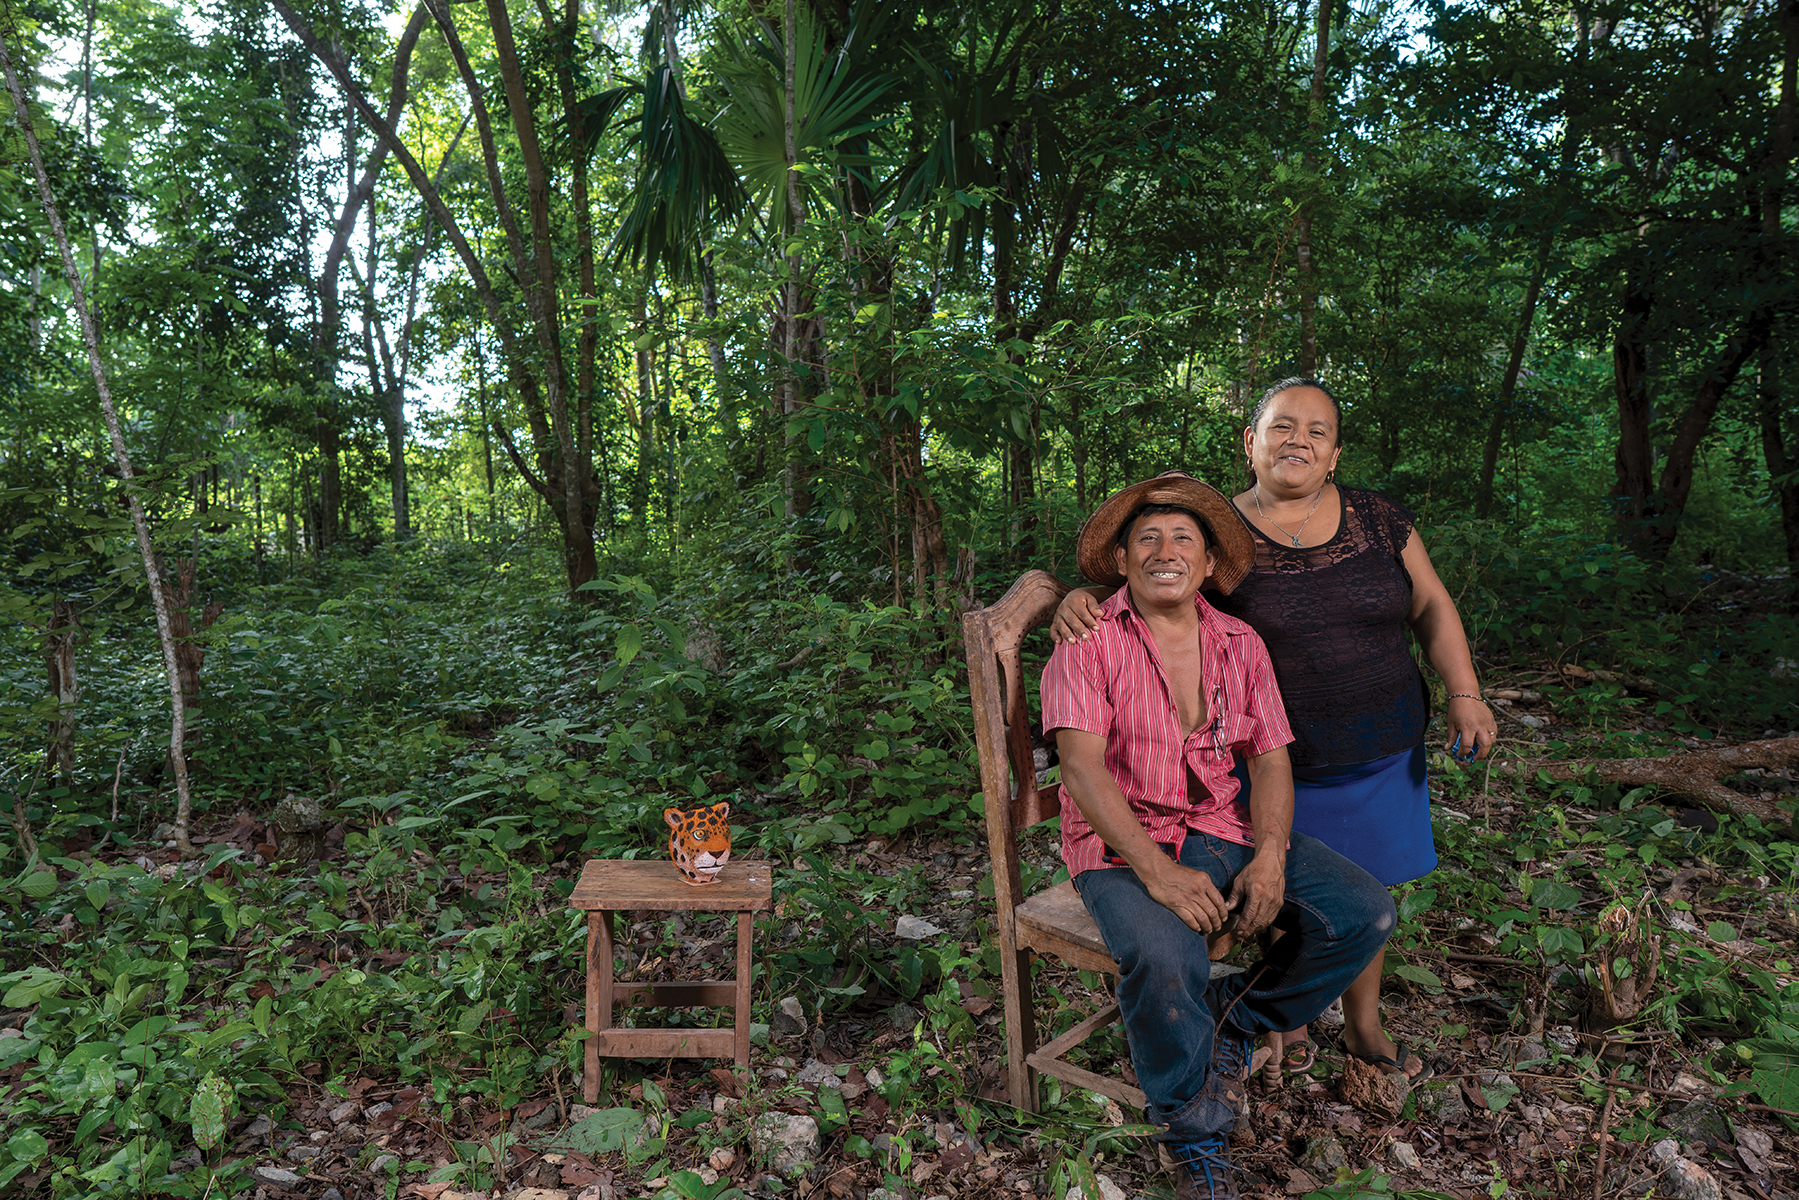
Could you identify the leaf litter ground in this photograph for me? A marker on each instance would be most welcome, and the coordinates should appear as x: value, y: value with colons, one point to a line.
x: 1488, y: 979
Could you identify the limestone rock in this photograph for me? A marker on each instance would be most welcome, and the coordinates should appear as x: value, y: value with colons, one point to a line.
x: 785, y: 1141
x: 301, y: 820
x: 1323, y: 1156
x: 277, y: 1176
x: 1373, y: 1090
x: 1699, y: 1122
x: 1403, y: 1156
x: 915, y: 929
x: 819, y: 1073
x: 1108, y: 1189
x: 1440, y: 1101
x: 790, y: 1018
x: 1682, y: 1178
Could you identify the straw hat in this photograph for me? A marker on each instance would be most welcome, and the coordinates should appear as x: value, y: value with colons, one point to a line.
x: 1230, y: 538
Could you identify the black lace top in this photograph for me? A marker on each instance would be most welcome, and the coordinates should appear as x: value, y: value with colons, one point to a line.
x: 1333, y: 617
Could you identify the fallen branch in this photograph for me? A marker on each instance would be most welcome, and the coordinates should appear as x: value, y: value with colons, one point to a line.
x: 1694, y: 775
x: 1605, y: 1120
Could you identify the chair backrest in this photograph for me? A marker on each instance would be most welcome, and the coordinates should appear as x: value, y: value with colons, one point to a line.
x: 994, y: 637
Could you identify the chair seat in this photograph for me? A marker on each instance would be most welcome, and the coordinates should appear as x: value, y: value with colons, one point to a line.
x: 1054, y: 921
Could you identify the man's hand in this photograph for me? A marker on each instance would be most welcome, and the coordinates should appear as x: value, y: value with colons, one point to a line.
x: 1189, y: 895
x: 1256, y: 894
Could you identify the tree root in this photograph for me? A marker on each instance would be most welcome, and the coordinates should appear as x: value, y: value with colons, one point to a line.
x: 1693, y: 775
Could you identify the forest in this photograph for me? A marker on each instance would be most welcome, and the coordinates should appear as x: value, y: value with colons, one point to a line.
x: 436, y: 439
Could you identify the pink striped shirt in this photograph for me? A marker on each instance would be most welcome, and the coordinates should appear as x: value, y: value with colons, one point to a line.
x: 1113, y: 685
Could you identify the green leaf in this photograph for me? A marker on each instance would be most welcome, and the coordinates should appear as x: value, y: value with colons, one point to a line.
x: 28, y: 987
x: 98, y: 893
x: 1419, y: 976
x: 40, y: 884
x: 1558, y: 941
x: 1723, y: 931
x: 837, y: 1113
x: 1498, y: 1092
x: 1082, y: 1175
x: 25, y: 1148
x: 603, y: 1132
x: 207, y: 1111
x: 628, y: 643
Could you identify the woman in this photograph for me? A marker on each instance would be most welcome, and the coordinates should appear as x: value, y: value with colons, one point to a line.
x: 1340, y: 574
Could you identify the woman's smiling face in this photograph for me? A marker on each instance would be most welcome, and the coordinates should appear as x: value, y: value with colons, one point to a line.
x: 1295, y: 445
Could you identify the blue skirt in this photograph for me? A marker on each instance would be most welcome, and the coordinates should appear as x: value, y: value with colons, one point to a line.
x: 1376, y: 814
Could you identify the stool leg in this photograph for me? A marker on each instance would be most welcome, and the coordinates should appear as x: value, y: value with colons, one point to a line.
x: 744, y: 930
x: 599, y: 997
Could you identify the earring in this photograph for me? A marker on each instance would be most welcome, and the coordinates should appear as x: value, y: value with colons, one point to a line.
x: 1330, y: 476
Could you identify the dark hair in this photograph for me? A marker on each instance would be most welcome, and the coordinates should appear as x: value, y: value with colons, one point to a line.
x: 1287, y: 385
x: 1156, y: 510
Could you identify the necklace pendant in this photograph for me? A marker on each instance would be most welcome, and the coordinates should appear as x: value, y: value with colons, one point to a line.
x: 1296, y: 542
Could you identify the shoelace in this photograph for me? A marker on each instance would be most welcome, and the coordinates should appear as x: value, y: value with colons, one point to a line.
x: 1232, y: 1053
x: 1207, y: 1155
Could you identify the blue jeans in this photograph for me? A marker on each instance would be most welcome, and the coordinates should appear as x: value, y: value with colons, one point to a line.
x: 1336, y: 918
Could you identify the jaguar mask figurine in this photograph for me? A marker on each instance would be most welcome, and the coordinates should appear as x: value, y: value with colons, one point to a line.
x: 699, y: 843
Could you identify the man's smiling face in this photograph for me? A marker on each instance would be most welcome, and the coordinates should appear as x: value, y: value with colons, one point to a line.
x: 1164, y: 559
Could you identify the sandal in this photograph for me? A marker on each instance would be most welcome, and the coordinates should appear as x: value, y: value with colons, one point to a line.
x: 1298, y: 1058
x: 1398, y: 1065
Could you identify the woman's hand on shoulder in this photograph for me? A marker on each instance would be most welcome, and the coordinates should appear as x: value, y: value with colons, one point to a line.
x: 1077, y: 616
x: 1472, y: 731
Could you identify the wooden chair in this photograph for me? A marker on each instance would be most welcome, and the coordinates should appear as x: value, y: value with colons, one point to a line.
x: 1054, y: 921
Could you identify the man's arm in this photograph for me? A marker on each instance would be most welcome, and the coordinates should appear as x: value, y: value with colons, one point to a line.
x: 1259, y: 888
x: 1187, y: 893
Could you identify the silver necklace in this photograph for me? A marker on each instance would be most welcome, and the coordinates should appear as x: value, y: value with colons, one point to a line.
x: 1316, y: 497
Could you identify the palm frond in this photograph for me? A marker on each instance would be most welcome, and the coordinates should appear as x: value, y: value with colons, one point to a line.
x: 685, y: 184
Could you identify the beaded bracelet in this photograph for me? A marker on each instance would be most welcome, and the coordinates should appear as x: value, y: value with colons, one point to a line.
x: 1463, y: 696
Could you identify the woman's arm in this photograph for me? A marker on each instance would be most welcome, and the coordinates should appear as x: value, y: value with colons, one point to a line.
x: 1078, y: 614
x: 1472, y: 729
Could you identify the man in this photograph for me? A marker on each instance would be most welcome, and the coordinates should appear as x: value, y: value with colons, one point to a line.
x: 1149, y: 715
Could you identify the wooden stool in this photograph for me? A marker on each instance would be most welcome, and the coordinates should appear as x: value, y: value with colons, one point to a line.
x: 608, y: 885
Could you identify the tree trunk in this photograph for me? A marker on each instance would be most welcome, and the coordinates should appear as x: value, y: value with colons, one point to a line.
x: 139, y: 522
x: 190, y: 655
x: 60, y: 639
x: 1514, y: 363
x: 646, y: 445
x: 1634, y: 489
x: 797, y: 485
x: 1308, y: 281
x: 1783, y: 463
x: 486, y: 433
x: 542, y: 300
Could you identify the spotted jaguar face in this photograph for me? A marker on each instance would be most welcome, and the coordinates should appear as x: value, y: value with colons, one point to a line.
x: 699, y: 842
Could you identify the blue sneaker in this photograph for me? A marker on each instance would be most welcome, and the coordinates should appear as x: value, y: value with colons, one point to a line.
x: 1204, y: 1169
x: 1228, y: 1082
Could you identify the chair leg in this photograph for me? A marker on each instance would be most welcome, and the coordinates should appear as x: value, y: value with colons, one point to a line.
x: 599, y: 998
x: 741, y: 1018
x: 1021, y: 1029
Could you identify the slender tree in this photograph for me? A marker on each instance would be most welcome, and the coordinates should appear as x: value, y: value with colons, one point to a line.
x: 139, y: 522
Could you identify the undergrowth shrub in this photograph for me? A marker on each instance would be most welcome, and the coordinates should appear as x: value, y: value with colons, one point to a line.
x: 1710, y: 665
